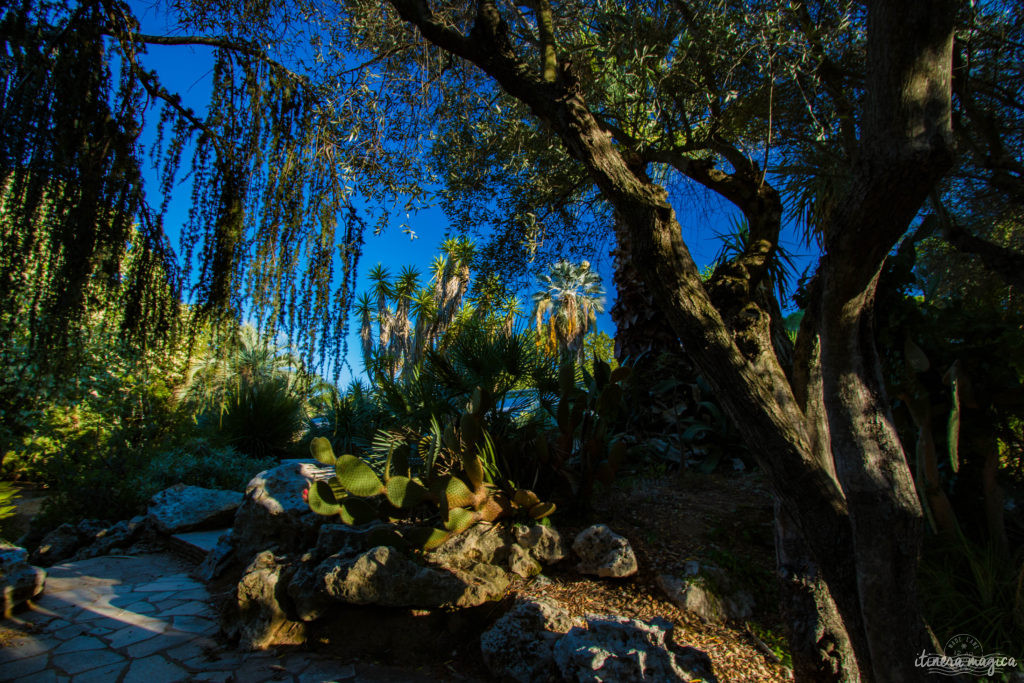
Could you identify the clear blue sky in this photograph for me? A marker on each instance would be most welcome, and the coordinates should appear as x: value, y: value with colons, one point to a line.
x: 186, y: 70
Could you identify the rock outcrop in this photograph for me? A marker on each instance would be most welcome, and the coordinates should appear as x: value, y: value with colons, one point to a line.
x: 707, y: 591
x: 274, y: 515
x: 262, y: 620
x: 616, y: 649
x: 603, y: 552
x: 539, y: 640
x: 19, y: 580
x: 88, y: 538
x: 188, y: 508
x: 386, y: 576
x: 520, y: 645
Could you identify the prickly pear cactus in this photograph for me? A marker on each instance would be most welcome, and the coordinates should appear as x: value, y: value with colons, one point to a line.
x: 358, y: 495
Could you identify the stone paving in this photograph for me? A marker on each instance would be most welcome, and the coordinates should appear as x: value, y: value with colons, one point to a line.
x: 141, y: 619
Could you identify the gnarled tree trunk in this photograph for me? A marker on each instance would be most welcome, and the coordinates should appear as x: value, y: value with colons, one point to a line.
x: 847, y: 502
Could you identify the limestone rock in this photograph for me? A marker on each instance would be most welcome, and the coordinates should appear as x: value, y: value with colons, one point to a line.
x: 385, y: 576
x: 105, y: 541
x: 345, y: 540
x: 56, y: 546
x: 544, y: 543
x: 612, y: 649
x: 487, y: 543
x: 20, y: 580
x: 262, y: 620
x: 693, y: 596
x: 708, y: 592
x: 603, y: 552
x: 521, y: 562
x: 520, y: 645
x: 309, y: 598
x: 217, y: 560
x: 273, y: 513
x: 186, y: 508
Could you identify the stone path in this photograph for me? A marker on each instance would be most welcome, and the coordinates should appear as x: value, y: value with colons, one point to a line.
x: 141, y: 619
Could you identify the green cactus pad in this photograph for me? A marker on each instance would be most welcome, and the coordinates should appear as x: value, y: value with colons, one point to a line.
x: 426, y: 538
x: 474, y: 469
x: 357, y: 477
x: 525, y: 498
x: 458, y: 494
x: 321, y: 499
x: 460, y: 519
x: 403, y: 492
x: 355, y: 511
x: 541, y: 510
x: 320, y: 448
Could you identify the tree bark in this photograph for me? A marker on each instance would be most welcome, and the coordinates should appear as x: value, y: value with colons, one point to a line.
x: 861, y: 537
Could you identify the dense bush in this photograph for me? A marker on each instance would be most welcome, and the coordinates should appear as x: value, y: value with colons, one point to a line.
x: 118, y: 401
x: 115, y: 484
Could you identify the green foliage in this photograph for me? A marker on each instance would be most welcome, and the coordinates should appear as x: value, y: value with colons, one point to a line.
x: 250, y: 395
x: 973, y: 588
x: 78, y: 234
x: 459, y: 487
x: 8, y: 492
x: 349, y: 419
x: 777, y: 644
x: 197, y: 462
x: 113, y: 484
x: 116, y: 400
x: 585, y: 447
x: 598, y: 346
x: 708, y: 432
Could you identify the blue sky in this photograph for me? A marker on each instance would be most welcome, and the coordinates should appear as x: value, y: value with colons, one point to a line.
x: 186, y: 70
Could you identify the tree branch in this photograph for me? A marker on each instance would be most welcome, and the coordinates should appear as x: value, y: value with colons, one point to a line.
x: 1006, y: 263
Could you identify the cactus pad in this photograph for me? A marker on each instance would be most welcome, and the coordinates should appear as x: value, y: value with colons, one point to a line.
x: 321, y: 450
x: 355, y: 511
x: 426, y: 538
x: 460, y: 519
x: 322, y: 500
x: 542, y: 510
x: 403, y: 492
x: 357, y: 477
x: 458, y: 494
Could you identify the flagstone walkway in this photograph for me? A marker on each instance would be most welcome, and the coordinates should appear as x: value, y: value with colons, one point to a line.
x: 142, y: 619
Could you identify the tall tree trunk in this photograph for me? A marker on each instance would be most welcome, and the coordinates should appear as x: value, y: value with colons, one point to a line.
x: 641, y: 328
x: 862, y: 532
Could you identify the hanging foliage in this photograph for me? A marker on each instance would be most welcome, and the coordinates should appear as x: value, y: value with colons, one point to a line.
x: 271, y: 236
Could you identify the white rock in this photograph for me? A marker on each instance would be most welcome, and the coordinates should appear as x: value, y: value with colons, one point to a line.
x: 183, y: 508
x: 603, y: 552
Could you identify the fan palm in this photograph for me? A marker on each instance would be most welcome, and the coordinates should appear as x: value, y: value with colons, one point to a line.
x: 251, y: 395
x: 568, y: 304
